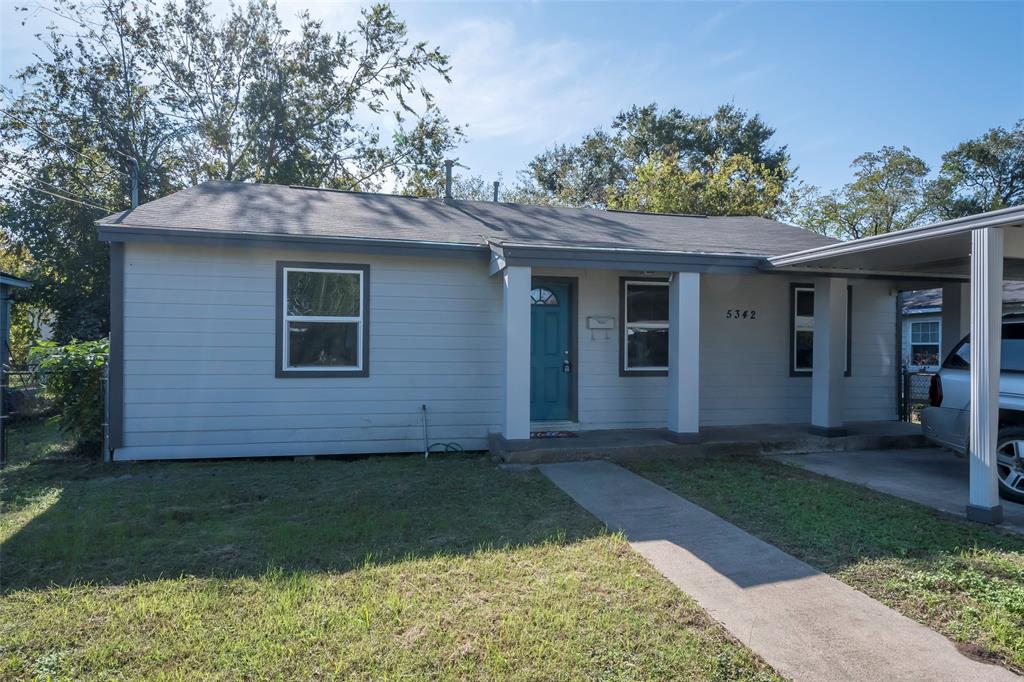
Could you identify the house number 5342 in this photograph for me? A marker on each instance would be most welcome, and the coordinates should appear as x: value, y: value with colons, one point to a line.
x: 737, y: 314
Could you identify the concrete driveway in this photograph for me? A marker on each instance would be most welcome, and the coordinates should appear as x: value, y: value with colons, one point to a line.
x: 929, y: 476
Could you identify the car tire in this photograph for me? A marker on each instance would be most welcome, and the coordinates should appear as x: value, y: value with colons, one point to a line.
x: 1010, y: 459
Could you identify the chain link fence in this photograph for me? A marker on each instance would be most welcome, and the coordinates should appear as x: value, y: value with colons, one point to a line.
x: 22, y: 400
x: 914, y: 395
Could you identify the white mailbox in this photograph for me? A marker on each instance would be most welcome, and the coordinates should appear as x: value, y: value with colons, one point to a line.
x: 602, y: 322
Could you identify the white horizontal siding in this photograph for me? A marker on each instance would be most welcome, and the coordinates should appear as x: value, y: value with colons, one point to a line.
x: 744, y: 363
x: 200, y: 359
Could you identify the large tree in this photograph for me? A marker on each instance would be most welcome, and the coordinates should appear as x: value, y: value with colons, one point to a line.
x: 607, y: 161
x: 731, y: 185
x: 193, y: 97
x: 982, y: 174
x: 887, y: 194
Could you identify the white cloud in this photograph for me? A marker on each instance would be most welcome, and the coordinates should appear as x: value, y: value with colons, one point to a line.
x: 505, y: 85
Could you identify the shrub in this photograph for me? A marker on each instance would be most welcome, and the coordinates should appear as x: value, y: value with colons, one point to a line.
x: 72, y: 377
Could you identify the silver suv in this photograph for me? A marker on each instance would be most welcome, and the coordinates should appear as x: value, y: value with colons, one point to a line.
x: 946, y: 421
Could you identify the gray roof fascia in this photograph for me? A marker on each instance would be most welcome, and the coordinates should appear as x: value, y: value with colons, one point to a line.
x: 401, y: 247
x: 12, y: 281
x: 582, y: 257
x: 1001, y: 218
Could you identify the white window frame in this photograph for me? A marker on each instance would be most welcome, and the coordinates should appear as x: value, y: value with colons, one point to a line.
x: 627, y: 325
x: 286, y: 318
x: 794, y: 319
x: 796, y: 328
x: 937, y: 343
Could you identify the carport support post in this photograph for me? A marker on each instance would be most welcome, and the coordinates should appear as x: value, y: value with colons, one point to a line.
x: 956, y: 315
x: 684, y: 357
x: 829, y: 357
x: 986, y: 340
x: 516, y: 305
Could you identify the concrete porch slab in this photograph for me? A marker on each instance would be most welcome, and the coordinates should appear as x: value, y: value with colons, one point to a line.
x: 757, y: 439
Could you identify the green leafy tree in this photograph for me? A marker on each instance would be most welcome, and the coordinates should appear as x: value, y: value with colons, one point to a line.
x: 271, y: 108
x: 733, y: 185
x: 983, y: 174
x: 609, y: 160
x: 193, y: 98
x: 887, y: 194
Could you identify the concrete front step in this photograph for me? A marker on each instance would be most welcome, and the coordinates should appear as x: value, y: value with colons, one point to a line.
x: 626, y: 445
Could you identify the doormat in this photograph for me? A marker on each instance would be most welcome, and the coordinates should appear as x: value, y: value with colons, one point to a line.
x: 552, y: 434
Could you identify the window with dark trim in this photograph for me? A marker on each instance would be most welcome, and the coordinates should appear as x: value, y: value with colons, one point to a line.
x: 322, y: 320
x: 801, y: 330
x: 643, y: 327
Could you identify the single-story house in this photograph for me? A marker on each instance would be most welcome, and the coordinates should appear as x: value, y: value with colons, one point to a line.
x: 261, y: 320
x: 922, y: 345
x: 258, y: 320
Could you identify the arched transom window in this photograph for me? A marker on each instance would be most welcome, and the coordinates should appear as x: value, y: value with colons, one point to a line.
x: 542, y: 296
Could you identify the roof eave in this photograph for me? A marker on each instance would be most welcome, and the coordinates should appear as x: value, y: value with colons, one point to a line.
x: 16, y: 282
x: 1001, y: 218
x: 119, y: 233
x: 615, y: 258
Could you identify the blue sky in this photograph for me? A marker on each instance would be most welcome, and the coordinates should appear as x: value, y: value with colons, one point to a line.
x: 834, y: 79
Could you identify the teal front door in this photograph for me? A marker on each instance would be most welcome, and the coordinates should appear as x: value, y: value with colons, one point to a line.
x: 550, y: 351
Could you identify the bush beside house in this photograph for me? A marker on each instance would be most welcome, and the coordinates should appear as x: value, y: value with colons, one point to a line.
x: 72, y: 377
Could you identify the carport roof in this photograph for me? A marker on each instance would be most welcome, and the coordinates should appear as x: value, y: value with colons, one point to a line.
x: 938, y: 251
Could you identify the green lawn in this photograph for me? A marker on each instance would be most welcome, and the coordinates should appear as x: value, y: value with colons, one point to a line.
x: 961, y: 579
x: 386, y: 567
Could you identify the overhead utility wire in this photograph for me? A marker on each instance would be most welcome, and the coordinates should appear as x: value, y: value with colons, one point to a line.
x: 25, y: 177
x: 64, y: 144
x: 58, y: 196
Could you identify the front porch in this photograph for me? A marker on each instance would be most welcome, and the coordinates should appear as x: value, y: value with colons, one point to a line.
x: 752, y: 439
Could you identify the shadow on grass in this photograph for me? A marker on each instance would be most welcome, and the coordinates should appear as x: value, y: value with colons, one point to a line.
x: 71, y: 522
x: 829, y: 523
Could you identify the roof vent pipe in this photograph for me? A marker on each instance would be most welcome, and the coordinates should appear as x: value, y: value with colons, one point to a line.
x: 496, y: 183
x: 448, y: 163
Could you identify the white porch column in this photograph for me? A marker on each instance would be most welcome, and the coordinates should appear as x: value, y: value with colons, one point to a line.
x: 684, y: 357
x: 829, y: 357
x: 986, y: 340
x: 956, y: 315
x: 516, y: 305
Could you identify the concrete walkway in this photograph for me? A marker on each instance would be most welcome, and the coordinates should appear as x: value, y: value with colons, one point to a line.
x: 929, y: 476
x: 805, y: 624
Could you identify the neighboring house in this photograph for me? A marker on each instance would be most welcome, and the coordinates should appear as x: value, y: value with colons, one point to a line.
x: 261, y: 320
x: 8, y: 283
x: 922, y: 325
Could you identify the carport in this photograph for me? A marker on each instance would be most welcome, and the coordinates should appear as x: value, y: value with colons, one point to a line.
x: 969, y: 257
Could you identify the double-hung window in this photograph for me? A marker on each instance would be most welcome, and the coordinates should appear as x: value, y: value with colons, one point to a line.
x: 924, y: 343
x: 801, y: 319
x: 644, y: 330
x: 322, y: 319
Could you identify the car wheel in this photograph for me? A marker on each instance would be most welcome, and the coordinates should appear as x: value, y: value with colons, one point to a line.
x: 1010, y: 464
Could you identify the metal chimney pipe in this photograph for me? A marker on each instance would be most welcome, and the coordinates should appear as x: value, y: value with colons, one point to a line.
x: 448, y: 163
x: 496, y: 183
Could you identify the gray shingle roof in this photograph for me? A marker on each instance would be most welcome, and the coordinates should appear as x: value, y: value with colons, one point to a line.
x: 923, y: 299
x: 244, y: 208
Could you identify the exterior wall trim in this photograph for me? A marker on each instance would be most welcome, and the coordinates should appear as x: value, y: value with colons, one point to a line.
x: 115, y: 374
x: 279, y: 371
